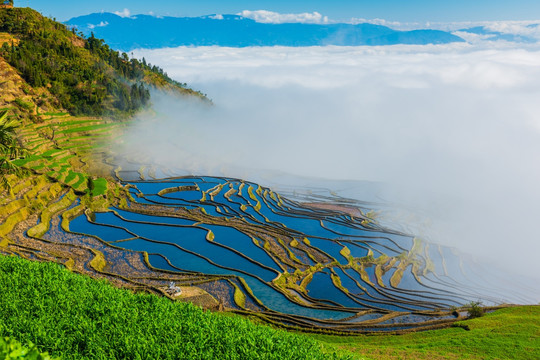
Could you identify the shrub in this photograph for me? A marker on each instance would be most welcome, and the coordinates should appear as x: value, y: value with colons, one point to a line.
x: 23, y: 104
x: 475, y: 309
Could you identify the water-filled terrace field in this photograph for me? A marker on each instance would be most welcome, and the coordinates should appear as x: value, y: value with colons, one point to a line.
x: 289, y: 262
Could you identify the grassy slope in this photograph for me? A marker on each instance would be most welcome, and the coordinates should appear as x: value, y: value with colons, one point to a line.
x: 511, y: 333
x: 76, y: 317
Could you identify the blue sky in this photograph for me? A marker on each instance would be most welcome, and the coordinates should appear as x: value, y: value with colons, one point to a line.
x: 395, y: 10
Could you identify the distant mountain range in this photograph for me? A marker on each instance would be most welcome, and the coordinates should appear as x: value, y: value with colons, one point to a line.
x: 492, y: 35
x: 145, y: 31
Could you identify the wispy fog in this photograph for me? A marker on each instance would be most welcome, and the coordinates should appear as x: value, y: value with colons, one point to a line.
x: 453, y: 130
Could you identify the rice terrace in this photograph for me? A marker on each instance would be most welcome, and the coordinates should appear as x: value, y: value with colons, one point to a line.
x: 109, y: 254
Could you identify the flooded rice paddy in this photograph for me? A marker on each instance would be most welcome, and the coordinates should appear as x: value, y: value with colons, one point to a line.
x: 298, y: 264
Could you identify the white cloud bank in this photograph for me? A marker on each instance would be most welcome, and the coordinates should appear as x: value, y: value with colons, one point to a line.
x: 527, y: 29
x: 270, y: 17
x: 454, y: 130
x: 101, y: 24
x: 216, y: 17
x: 124, y: 13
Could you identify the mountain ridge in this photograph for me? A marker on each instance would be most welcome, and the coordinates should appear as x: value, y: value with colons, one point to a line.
x: 146, y: 31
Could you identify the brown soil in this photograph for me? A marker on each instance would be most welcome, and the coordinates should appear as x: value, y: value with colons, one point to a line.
x: 350, y: 210
x: 13, y: 87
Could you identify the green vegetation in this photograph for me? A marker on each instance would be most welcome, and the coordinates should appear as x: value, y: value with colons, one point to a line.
x: 13, y: 350
x: 51, y: 56
x: 9, y: 148
x: 475, y: 310
x: 85, y: 75
x: 97, y: 187
x: 97, y: 321
x: 76, y: 317
x: 511, y: 333
x: 24, y: 105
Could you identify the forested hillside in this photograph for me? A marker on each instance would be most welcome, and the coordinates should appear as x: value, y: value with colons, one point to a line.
x: 85, y: 76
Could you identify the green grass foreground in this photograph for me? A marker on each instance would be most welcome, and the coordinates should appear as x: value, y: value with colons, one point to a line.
x: 75, y: 317
x: 510, y: 333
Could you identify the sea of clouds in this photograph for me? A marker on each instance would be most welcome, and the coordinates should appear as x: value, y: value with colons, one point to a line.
x: 453, y: 130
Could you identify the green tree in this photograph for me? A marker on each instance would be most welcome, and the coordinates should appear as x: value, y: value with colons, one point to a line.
x: 9, y: 148
x: 475, y: 309
x: 91, y: 186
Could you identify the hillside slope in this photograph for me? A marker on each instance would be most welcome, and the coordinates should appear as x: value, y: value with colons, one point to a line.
x: 18, y: 95
x: 98, y: 321
x: 512, y: 333
x: 86, y: 76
